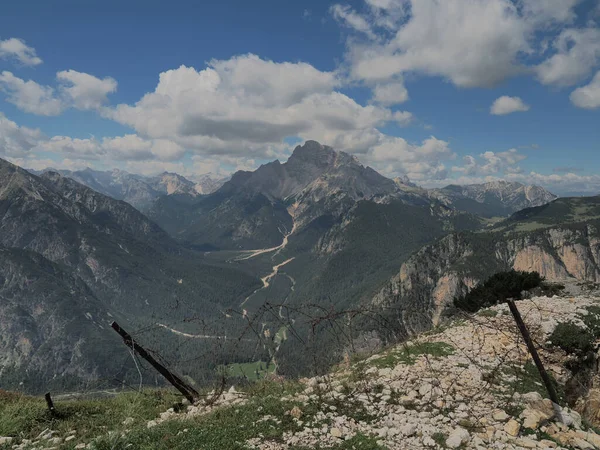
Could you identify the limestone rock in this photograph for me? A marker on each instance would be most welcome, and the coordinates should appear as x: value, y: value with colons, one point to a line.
x: 512, y: 427
x: 500, y: 416
x: 457, y: 438
x: 336, y: 432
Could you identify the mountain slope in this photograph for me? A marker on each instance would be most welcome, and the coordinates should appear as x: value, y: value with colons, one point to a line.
x: 91, y: 246
x: 541, y: 239
x: 494, y: 199
x: 52, y: 327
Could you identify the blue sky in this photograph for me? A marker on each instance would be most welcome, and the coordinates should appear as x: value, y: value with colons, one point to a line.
x: 406, y: 85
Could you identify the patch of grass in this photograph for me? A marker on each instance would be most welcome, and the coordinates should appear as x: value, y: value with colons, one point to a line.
x: 250, y: 371
x: 408, y: 354
x: 439, y: 438
x: 514, y: 410
x: 488, y: 313
x: 224, y: 428
x: 26, y: 417
x: 359, y: 442
x: 528, y: 380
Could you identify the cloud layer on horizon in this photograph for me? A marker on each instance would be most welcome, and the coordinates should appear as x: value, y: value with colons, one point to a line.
x: 236, y: 113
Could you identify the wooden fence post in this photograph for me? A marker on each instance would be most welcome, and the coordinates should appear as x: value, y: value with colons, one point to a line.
x: 188, y: 392
x: 50, y: 404
x: 532, y: 350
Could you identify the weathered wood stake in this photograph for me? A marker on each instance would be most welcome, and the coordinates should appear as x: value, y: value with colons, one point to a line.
x: 532, y: 350
x: 189, y: 392
x: 50, y: 404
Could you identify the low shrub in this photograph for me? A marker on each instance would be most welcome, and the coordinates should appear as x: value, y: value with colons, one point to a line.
x: 572, y: 338
x: 497, y: 289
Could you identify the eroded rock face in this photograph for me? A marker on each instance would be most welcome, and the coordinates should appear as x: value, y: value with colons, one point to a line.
x: 535, y: 259
x: 429, y: 281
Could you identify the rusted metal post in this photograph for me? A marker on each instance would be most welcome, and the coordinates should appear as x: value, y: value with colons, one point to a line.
x: 189, y: 392
x: 532, y: 350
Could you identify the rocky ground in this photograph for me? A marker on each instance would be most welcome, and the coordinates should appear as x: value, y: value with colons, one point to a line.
x: 469, y: 384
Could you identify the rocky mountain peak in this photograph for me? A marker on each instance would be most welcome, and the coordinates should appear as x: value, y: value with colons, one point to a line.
x: 318, y: 155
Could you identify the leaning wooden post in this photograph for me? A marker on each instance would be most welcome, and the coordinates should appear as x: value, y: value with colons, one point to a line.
x: 50, y: 404
x: 534, y: 354
x: 189, y: 392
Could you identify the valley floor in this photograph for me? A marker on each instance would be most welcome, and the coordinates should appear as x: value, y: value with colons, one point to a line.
x: 468, y: 384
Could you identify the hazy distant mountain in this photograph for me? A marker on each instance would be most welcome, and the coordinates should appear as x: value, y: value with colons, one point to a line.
x: 138, y: 190
x: 497, y: 198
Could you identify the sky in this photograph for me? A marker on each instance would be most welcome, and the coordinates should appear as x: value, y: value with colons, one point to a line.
x: 440, y: 91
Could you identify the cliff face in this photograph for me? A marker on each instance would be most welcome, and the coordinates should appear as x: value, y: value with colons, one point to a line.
x: 428, y: 282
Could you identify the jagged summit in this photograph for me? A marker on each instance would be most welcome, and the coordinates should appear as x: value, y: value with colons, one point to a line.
x: 138, y: 190
x: 312, y: 164
x: 495, y: 198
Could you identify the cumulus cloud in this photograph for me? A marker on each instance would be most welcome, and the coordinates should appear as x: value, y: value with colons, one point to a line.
x: 392, y: 93
x: 577, y: 53
x: 471, y: 43
x: 507, y: 105
x: 403, y: 118
x: 347, y: 16
x: 248, y: 106
x: 491, y: 163
x: 30, y: 96
x: 549, y: 11
x: 15, y: 140
x: 588, y: 96
x: 395, y: 156
x: 18, y: 50
x: 129, y: 147
x: 85, y: 91
x: 76, y: 90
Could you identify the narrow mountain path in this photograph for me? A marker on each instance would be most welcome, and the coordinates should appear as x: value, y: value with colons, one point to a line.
x: 288, y: 296
x: 254, y: 253
x: 194, y: 336
x: 266, y: 280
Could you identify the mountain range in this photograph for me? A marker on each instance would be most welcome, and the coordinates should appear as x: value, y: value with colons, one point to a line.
x: 318, y: 232
x: 138, y: 190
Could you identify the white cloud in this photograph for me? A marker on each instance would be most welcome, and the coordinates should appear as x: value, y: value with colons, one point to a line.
x: 491, y: 163
x: 544, y: 12
x: 352, y: 19
x: 577, y: 53
x: 403, y: 118
x: 18, y: 50
x: 588, y: 96
x: 395, y: 156
x: 30, y: 96
x: 387, y: 13
x: 76, y: 90
x: 473, y: 43
x: 16, y: 141
x: 248, y: 106
x: 84, y: 91
x: 129, y: 147
x: 389, y: 94
x: 507, y: 105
